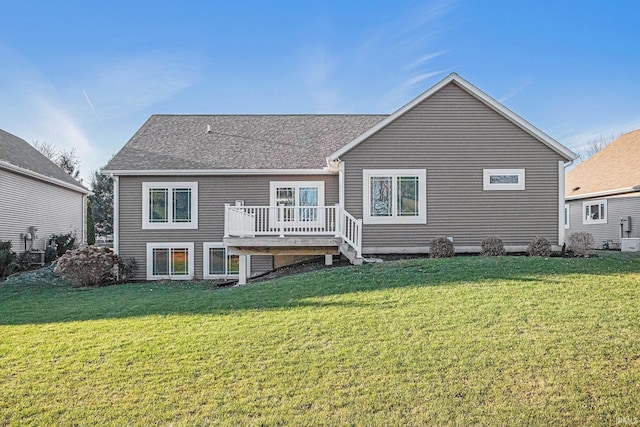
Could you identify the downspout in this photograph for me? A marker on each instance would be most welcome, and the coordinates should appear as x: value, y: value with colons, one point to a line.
x: 561, y: 203
x: 116, y: 214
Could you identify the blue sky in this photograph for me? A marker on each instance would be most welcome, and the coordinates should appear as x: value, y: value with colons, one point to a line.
x: 88, y: 74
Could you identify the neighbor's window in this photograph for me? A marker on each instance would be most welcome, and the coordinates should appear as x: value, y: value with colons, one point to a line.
x: 169, y: 205
x: 395, y: 196
x: 566, y: 216
x: 218, y: 263
x: 170, y: 261
x: 503, y: 179
x: 594, y: 212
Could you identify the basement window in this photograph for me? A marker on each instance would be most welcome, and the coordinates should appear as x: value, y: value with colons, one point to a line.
x: 174, y: 261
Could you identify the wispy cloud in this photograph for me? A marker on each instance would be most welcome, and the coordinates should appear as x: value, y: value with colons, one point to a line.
x: 126, y: 85
x: 516, y: 90
x: 50, y: 108
x: 318, y: 70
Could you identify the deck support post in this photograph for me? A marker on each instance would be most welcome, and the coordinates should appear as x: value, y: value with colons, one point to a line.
x: 242, y: 266
x: 328, y: 260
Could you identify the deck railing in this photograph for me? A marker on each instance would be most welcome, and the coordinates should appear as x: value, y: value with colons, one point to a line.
x: 282, y: 221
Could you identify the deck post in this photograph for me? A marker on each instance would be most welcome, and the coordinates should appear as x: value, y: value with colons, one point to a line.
x: 337, y: 221
x: 242, y: 266
x: 359, y: 245
x: 281, y: 213
x: 328, y: 260
x: 226, y: 220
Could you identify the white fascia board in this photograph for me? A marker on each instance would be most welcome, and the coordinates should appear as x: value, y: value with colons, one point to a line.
x: 477, y: 93
x: 11, y: 167
x: 603, y: 193
x: 217, y: 172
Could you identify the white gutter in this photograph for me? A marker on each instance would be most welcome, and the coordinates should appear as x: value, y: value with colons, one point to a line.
x: 605, y: 193
x: 79, y: 188
x: 229, y: 172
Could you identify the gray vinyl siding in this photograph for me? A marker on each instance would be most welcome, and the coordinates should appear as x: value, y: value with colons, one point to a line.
x: 213, y: 193
x: 454, y: 137
x: 616, y: 207
x: 29, y: 202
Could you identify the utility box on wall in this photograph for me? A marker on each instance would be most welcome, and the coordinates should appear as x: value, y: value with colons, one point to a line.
x: 625, y: 224
x: 630, y: 244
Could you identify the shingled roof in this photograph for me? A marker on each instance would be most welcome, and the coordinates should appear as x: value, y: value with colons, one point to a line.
x: 214, y: 142
x: 18, y: 155
x: 612, y: 170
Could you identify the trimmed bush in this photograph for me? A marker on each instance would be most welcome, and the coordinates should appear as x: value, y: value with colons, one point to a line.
x: 539, y: 246
x: 441, y: 247
x: 580, y: 243
x: 492, y: 246
x: 88, y: 266
x: 7, y: 258
x: 64, y: 242
x: 127, y: 268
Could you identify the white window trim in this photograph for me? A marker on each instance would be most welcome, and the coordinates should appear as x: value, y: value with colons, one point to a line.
x: 276, y: 184
x: 567, y: 215
x: 488, y: 186
x: 192, y: 225
x: 273, y: 185
x: 394, y: 219
x: 170, y: 245
x: 205, y: 262
x: 586, y: 221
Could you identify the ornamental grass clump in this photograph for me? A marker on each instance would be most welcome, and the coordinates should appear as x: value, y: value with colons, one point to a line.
x: 88, y: 266
x: 492, y: 246
x: 441, y: 247
x: 580, y: 243
x: 539, y: 246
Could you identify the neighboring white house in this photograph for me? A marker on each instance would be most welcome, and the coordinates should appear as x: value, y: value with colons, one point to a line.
x: 37, y: 198
x: 603, y: 193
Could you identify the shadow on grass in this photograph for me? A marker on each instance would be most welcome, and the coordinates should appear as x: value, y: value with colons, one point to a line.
x: 53, y: 302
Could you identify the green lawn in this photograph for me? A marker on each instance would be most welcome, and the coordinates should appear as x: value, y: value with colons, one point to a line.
x: 468, y: 340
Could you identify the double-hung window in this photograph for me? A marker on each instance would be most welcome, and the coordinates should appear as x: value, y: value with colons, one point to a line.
x: 594, y: 212
x: 217, y: 263
x: 170, y: 205
x: 394, y: 196
x: 173, y: 261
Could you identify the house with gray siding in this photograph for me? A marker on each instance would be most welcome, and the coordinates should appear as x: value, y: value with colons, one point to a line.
x: 37, y: 198
x: 211, y: 196
x: 603, y: 194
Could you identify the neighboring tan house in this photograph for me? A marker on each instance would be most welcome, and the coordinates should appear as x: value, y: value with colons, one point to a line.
x: 37, y: 198
x: 603, y: 193
x: 207, y: 196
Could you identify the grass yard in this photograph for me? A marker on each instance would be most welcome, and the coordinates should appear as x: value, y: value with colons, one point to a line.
x: 467, y: 340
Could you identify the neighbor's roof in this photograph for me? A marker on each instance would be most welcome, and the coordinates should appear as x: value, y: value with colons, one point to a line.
x: 237, y: 142
x: 19, y: 156
x: 612, y: 170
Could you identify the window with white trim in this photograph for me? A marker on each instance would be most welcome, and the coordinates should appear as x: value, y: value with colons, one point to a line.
x: 169, y: 205
x: 394, y: 196
x: 594, y: 212
x: 502, y: 179
x: 217, y: 263
x: 299, y: 200
x: 173, y: 261
x: 566, y: 215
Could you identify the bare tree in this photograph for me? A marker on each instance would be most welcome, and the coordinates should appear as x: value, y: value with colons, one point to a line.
x: 67, y: 160
x: 597, y: 144
x: 48, y: 149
